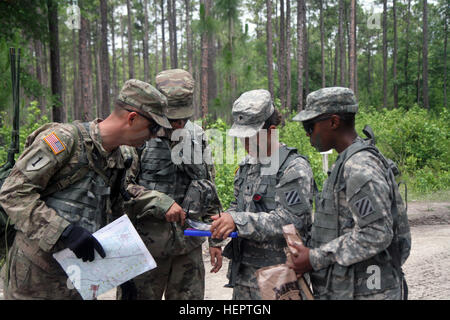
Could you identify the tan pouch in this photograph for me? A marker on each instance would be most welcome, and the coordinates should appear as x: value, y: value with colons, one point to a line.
x: 278, y: 282
x: 291, y: 235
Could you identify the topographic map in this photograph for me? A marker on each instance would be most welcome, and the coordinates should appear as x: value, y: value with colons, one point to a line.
x: 126, y: 258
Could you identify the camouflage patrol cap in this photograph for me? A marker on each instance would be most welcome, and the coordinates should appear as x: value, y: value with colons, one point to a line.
x: 178, y: 86
x: 328, y: 100
x: 146, y: 99
x: 250, y: 111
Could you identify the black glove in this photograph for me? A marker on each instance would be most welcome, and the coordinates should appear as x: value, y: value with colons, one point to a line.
x: 81, y: 242
x: 129, y: 291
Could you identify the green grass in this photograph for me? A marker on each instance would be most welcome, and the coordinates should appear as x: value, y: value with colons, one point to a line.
x: 437, y: 196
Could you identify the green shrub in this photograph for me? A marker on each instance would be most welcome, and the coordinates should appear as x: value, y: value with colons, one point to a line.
x: 419, y: 142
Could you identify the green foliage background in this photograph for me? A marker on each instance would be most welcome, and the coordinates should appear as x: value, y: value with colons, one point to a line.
x: 418, y: 141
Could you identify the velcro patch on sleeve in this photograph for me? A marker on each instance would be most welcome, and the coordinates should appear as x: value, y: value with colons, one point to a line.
x: 364, y: 207
x: 292, y: 197
x: 55, y: 143
x: 38, y: 161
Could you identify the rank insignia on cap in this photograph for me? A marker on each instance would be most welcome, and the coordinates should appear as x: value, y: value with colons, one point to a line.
x: 292, y: 197
x: 54, y: 143
x: 364, y: 207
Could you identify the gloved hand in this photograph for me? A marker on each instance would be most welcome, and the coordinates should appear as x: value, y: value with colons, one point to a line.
x: 129, y: 291
x: 81, y: 242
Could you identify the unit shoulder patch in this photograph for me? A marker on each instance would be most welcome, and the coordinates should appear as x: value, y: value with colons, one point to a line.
x: 364, y: 207
x: 38, y: 161
x: 292, y: 197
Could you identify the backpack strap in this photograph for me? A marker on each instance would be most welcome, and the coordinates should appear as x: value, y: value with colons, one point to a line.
x: 83, y: 129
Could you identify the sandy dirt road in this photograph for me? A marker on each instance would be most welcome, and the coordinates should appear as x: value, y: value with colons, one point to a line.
x: 427, y: 270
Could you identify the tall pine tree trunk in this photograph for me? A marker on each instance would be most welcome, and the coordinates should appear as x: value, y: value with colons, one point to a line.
x: 405, y: 67
x: 445, y: 56
x: 130, y: 42
x: 204, y: 63
x: 353, y: 46
x: 145, y: 48
x: 322, y: 51
x: 155, y: 8
x: 104, y: 61
x: 419, y: 71
x: 175, y: 41
x: 385, y: 60
x: 282, y: 57
x: 288, y: 54
x: 341, y: 43
x: 189, y: 37
x: 84, y: 70
x: 76, y: 108
x: 394, y: 62
x: 369, y: 69
x: 114, y: 58
x: 426, y: 103
x: 97, y: 68
x: 39, y: 74
x: 212, y: 79
x: 336, y: 61
x: 269, y: 48
x: 122, y: 31
x: 163, y: 37
x: 55, y: 69
x: 233, y: 77
x: 170, y: 21
x: 300, y: 56
x: 306, y: 51
x: 172, y: 18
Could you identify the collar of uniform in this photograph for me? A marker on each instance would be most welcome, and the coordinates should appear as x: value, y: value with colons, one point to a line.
x: 114, y: 158
x: 358, y: 138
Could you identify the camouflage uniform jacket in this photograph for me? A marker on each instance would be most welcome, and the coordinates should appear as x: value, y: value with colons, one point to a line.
x: 40, y: 166
x: 362, y: 198
x: 183, y: 179
x: 285, y: 198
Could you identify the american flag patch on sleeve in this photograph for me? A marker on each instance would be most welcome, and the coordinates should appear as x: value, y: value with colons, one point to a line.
x: 54, y: 143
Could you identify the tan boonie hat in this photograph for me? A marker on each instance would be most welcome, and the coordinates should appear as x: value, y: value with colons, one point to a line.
x: 178, y: 86
x: 147, y: 99
x: 250, y: 111
x: 328, y: 100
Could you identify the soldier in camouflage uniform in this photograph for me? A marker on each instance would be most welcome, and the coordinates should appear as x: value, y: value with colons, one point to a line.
x: 68, y: 183
x: 266, y: 200
x: 189, y: 180
x: 360, y: 236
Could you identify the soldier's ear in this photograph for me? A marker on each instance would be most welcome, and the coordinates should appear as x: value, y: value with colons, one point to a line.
x: 131, y: 117
x: 335, y: 122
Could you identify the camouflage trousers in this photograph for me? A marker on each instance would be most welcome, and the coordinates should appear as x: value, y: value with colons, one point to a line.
x: 180, y: 277
x: 28, y: 281
x: 241, y: 292
x: 246, y: 287
x: 390, y: 294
